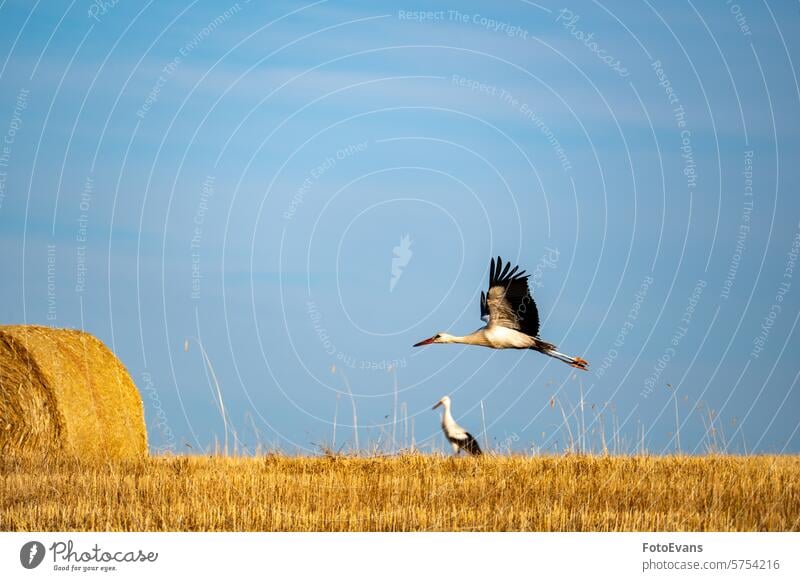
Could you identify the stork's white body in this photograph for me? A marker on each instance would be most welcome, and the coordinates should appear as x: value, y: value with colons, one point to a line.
x: 497, y: 337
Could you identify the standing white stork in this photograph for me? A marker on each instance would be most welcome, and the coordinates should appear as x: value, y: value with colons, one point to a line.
x: 459, y: 438
x: 512, y: 320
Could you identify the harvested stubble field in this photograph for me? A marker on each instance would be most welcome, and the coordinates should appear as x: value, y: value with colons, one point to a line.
x: 404, y: 493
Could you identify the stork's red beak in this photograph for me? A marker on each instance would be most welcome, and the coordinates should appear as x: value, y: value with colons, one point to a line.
x: 425, y: 342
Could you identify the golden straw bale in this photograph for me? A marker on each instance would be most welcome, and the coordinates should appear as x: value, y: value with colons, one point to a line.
x: 63, y: 392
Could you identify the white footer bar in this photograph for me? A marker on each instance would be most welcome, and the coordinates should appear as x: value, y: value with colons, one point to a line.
x: 401, y: 556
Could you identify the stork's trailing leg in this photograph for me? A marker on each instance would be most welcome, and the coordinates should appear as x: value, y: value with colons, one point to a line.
x: 550, y: 350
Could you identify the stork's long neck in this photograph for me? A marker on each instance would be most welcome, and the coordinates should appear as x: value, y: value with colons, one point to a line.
x: 447, y: 417
x: 476, y: 338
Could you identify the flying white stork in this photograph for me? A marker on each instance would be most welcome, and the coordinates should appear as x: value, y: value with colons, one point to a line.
x: 512, y: 320
x: 459, y: 438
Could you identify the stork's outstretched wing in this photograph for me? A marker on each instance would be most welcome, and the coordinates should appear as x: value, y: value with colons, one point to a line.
x: 509, y: 301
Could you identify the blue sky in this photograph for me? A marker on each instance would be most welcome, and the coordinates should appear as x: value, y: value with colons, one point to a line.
x: 241, y: 174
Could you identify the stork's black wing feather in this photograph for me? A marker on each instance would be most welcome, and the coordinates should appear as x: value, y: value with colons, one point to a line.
x: 471, y: 445
x: 484, y: 308
x: 509, y: 301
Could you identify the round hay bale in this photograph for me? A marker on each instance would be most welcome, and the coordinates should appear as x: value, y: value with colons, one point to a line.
x: 63, y: 391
